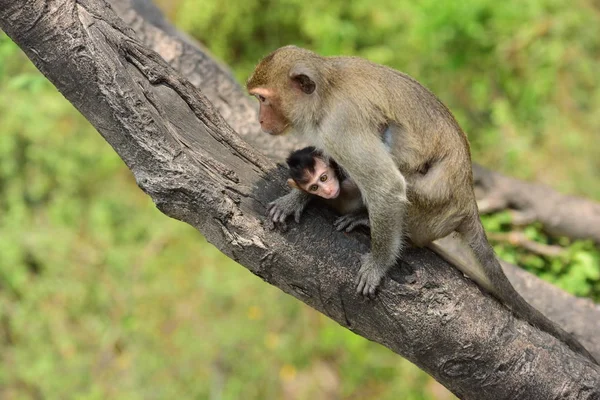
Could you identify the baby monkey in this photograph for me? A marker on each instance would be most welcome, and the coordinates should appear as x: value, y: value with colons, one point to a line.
x: 320, y: 176
x: 315, y: 174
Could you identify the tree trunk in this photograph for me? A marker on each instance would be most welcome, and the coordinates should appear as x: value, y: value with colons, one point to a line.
x: 196, y: 169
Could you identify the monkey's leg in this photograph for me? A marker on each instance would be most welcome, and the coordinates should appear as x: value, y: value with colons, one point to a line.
x: 383, y: 188
x: 454, y: 250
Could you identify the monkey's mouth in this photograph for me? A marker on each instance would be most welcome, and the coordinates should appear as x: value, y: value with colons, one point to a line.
x: 279, y: 132
x: 336, y: 194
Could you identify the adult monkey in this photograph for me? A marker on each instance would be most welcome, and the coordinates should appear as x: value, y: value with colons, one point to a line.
x: 421, y: 187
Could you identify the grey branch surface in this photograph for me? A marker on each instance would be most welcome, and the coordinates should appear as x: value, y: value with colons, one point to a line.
x: 197, y: 169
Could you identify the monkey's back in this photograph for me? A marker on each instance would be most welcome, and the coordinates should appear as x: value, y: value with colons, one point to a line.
x: 427, y: 144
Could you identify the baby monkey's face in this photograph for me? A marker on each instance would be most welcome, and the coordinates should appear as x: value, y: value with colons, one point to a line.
x: 322, y: 182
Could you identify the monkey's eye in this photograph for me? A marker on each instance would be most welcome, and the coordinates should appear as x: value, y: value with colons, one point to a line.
x: 313, y: 188
x: 260, y: 98
x: 323, y: 178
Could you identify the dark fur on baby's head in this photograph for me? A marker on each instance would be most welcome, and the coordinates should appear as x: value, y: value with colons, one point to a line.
x: 300, y: 161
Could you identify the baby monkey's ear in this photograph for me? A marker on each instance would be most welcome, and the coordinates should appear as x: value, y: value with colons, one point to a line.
x: 292, y: 183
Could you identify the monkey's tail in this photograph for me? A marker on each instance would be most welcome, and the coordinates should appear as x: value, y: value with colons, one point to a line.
x: 487, y: 272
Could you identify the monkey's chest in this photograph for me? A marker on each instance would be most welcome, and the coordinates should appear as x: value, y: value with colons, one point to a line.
x: 348, y: 206
x: 349, y: 200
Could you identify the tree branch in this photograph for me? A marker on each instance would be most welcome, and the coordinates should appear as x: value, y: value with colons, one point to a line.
x: 196, y: 169
x: 520, y: 239
x: 560, y: 215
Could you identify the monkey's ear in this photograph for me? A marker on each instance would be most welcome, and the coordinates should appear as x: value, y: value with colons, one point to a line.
x: 302, y: 78
x: 292, y: 183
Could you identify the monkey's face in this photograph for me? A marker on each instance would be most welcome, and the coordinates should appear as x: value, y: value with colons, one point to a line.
x: 284, y: 82
x: 322, y: 182
x: 271, y: 116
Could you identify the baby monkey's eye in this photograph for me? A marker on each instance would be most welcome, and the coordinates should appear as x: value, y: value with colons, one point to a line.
x: 260, y: 98
x: 313, y: 188
x: 323, y: 178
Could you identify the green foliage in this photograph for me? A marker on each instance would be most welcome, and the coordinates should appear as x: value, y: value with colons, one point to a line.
x: 101, y: 296
x: 576, y: 269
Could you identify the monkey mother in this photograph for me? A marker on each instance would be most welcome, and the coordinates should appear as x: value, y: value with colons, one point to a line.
x: 420, y: 188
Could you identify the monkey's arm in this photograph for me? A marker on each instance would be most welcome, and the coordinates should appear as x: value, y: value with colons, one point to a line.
x: 292, y: 203
x: 361, y: 153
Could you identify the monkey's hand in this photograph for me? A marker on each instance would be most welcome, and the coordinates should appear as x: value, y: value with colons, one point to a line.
x: 292, y: 203
x: 369, y: 276
x: 349, y: 222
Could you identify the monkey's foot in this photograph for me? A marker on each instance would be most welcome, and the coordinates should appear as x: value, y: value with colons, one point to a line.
x: 349, y: 222
x: 292, y: 203
x: 369, y: 276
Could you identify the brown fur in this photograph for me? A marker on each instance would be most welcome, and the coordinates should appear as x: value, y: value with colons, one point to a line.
x: 422, y: 188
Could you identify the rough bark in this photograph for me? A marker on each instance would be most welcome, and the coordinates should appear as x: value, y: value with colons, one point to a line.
x: 216, y: 81
x: 196, y: 169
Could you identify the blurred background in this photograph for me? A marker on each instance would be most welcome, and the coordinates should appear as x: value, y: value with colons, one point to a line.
x: 102, y: 296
